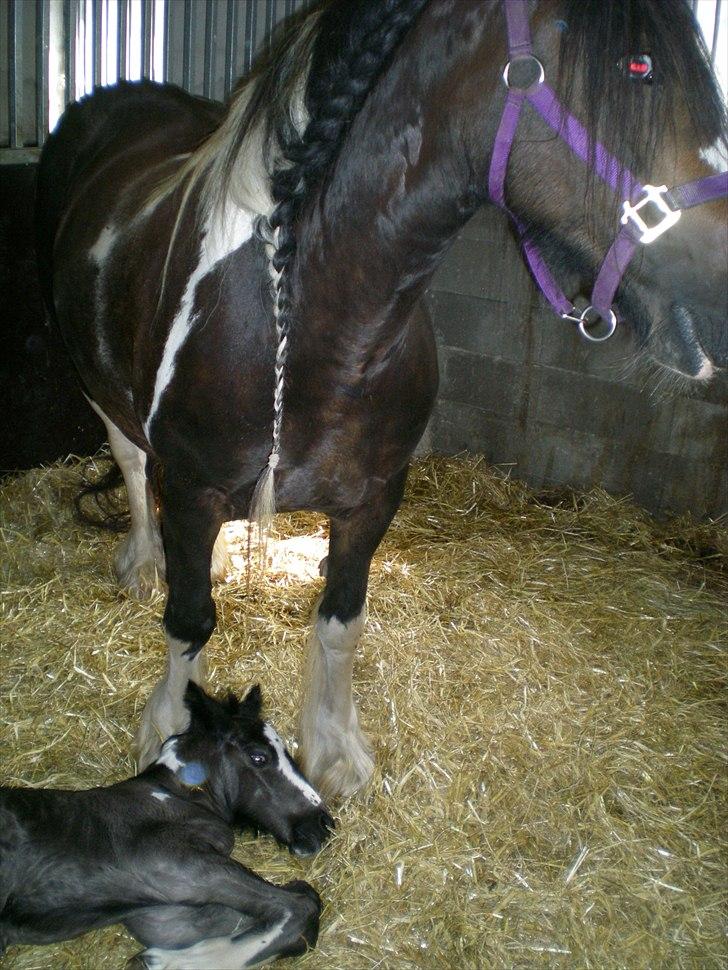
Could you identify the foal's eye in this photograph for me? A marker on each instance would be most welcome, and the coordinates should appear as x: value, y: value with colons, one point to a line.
x: 259, y: 758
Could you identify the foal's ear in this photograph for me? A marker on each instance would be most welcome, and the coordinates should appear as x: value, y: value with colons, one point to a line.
x: 253, y: 701
x: 204, y: 710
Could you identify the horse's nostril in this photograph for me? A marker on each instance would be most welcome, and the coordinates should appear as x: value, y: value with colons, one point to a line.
x: 327, y: 822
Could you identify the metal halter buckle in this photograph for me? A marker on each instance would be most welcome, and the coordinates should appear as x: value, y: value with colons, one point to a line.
x: 654, y: 194
x: 519, y: 58
x: 581, y: 320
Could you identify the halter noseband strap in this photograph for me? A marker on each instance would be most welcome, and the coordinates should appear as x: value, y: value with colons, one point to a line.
x: 634, y: 231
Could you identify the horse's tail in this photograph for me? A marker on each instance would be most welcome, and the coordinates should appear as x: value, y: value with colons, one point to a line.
x: 109, y: 511
x: 354, y: 43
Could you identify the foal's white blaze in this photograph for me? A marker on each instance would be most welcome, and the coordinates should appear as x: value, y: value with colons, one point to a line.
x: 287, y: 769
x: 221, y: 952
x: 221, y: 236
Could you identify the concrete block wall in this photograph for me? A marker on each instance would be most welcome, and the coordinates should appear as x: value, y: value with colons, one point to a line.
x: 520, y: 386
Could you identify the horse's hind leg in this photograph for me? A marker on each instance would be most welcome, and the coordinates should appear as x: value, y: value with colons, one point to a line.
x: 139, y: 560
x: 336, y: 755
x: 191, y: 520
x: 223, y: 916
x: 191, y: 937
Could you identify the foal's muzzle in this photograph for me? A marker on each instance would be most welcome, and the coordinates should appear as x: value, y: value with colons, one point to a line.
x: 311, y: 832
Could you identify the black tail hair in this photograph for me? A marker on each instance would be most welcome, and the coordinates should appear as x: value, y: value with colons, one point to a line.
x: 110, y: 511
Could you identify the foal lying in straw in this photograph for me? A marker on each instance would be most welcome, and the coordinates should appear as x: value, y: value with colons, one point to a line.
x: 153, y: 852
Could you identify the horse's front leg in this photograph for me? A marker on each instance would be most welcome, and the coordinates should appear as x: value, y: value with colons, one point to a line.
x: 337, y: 756
x: 191, y: 519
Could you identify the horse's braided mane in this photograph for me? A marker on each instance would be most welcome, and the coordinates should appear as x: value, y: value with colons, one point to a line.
x: 597, y: 35
x: 352, y: 43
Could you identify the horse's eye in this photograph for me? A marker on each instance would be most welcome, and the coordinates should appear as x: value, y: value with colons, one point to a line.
x: 637, y: 67
x: 259, y: 758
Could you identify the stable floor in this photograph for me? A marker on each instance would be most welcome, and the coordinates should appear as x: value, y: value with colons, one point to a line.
x: 543, y: 679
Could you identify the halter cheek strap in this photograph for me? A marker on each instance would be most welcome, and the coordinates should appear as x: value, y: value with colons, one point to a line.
x: 634, y: 231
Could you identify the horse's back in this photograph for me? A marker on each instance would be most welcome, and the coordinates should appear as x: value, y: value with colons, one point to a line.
x: 156, y: 121
x: 100, y: 257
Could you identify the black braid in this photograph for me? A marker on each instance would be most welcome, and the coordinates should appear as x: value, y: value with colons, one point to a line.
x: 352, y: 44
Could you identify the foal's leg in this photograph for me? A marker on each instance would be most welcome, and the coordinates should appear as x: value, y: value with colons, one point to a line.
x: 222, y: 915
x: 191, y: 520
x: 139, y: 560
x: 336, y: 755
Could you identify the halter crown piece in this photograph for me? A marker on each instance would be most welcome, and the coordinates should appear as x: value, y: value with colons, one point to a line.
x: 524, y: 77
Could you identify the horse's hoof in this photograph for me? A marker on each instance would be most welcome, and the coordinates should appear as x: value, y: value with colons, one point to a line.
x: 345, y: 772
x: 145, y: 749
x: 139, y: 576
x: 163, y: 716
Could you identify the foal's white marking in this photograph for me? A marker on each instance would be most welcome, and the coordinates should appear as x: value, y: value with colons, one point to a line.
x: 287, y: 769
x: 160, y: 796
x: 221, y: 236
x: 168, y: 756
x: 221, y: 952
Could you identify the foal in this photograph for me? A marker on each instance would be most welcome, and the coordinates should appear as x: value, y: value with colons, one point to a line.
x: 153, y: 852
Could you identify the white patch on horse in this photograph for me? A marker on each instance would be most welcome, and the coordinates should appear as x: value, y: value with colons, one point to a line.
x: 221, y: 236
x: 221, y: 952
x: 287, y: 769
x: 168, y: 756
x: 100, y: 250
x: 139, y: 560
x: 160, y: 796
x: 99, y: 254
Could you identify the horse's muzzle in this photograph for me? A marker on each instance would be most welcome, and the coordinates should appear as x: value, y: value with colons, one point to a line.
x: 311, y: 832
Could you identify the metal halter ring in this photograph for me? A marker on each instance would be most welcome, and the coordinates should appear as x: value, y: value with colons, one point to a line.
x: 611, y: 325
x: 519, y: 58
x: 580, y: 321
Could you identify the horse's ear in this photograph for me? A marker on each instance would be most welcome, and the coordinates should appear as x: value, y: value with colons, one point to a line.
x: 204, y: 710
x: 253, y: 701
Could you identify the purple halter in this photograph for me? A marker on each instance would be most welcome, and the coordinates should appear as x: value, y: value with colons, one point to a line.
x: 633, y: 231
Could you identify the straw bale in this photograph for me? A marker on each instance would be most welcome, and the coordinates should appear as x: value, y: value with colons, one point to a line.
x: 543, y: 680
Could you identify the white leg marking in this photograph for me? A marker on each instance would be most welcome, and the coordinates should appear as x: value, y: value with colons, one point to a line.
x: 220, y: 238
x: 287, y: 768
x: 222, y: 952
x: 336, y: 755
x: 165, y: 713
x: 221, y: 564
x: 139, y: 560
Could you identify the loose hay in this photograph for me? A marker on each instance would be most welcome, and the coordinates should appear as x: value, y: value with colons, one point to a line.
x: 542, y: 678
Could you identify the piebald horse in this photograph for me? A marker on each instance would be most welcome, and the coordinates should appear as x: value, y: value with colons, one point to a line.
x: 239, y: 287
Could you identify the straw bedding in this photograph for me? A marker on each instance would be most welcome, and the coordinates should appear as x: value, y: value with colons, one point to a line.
x: 542, y: 678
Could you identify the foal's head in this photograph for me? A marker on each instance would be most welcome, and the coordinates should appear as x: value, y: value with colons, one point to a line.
x: 244, y: 765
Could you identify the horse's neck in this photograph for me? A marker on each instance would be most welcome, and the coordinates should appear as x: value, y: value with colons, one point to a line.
x: 410, y: 173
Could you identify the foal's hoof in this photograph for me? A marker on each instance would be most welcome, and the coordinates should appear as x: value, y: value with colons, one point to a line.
x: 300, y: 886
